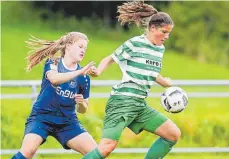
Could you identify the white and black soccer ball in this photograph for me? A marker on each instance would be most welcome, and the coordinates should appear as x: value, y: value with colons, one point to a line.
x: 174, y: 99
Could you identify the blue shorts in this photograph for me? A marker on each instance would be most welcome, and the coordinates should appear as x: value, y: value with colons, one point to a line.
x: 63, y: 133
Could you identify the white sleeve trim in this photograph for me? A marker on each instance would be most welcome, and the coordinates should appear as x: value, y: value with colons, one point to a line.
x: 115, y: 58
x: 48, y: 72
x: 52, y: 68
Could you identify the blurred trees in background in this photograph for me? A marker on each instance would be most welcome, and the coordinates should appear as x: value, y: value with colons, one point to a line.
x: 80, y: 9
x: 201, y: 28
x: 105, y: 10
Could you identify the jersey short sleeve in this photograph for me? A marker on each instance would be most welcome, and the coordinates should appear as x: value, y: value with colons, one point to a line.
x: 49, y: 65
x: 121, y: 54
x: 84, y: 82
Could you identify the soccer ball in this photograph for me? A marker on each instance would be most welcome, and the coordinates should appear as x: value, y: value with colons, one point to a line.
x: 174, y: 99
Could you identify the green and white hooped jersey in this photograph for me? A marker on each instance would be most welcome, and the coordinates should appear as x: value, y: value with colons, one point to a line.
x: 140, y: 62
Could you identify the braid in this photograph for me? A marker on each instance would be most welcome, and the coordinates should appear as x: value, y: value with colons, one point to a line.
x: 135, y: 12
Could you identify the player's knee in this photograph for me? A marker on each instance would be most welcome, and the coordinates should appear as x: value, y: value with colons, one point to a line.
x: 175, y: 134
x: 107, y: 148
x: 28, y: 153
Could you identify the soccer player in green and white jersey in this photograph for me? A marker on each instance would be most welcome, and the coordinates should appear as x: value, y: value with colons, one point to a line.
x: 140, y: 60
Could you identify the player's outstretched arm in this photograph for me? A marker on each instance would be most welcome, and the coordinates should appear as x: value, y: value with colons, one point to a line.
x: 58, y: 78
x: 164, y: 81
x: 103, y: 65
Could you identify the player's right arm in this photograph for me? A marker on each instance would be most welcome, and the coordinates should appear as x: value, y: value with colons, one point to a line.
x: 103, y: 65
x: 118, y: 56
x: 57, y: 78
x: 163, y: 81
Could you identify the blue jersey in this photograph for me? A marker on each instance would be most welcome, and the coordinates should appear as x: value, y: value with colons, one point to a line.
x: 56, y: 103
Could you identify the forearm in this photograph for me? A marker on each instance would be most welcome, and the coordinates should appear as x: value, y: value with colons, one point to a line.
x: 58, y: 78
x: 165, y: 82
x: 104, y: 64
x: 82, y: 107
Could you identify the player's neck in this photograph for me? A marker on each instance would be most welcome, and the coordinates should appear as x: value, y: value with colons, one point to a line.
x: 149, y: 38
x: 69, y: 64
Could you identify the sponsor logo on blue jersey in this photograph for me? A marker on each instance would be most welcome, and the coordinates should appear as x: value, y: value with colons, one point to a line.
x: 65, y: 93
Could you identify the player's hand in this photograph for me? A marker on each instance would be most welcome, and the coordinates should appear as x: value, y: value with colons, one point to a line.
x: 79, y: 99
x: 85, y: 69
x: 82, y: 105
x: 168, y: 81
x: 163, y: 81
x: 93, y: 72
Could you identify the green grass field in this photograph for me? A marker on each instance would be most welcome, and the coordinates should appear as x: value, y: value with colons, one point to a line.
x: 211, y: 115
x: 137, y: 156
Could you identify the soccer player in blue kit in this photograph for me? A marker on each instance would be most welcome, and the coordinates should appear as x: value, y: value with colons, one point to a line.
x: 64, y: 90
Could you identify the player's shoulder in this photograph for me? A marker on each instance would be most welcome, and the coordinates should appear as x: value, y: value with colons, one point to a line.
x: 54, y: 61
x: 136, y: 41
x: 139, y: 38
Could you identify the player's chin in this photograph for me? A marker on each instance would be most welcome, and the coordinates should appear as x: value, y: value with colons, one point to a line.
x: 79, y: 59
x: 159, y: 43
x: 162, y: 42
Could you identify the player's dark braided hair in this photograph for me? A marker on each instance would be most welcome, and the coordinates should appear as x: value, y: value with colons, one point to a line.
x: 143, y: 15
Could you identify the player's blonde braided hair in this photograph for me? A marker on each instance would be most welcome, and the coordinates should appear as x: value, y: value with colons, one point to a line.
x: 40, y: 49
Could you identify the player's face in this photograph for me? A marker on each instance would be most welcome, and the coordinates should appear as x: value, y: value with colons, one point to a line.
x: 160, y: 34
x: 77, y: 50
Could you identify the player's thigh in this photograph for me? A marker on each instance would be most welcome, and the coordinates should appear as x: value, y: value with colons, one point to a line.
x: 30, y: 144
x: 65, y: 133
x: 111, y: 136
x: 120, y: 112
x: 35, y: 134
x: 114, y: 131
x: 82, y: 143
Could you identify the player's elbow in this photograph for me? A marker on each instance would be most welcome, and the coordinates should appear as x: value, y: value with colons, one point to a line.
x: 54, y: 81
x: 53, y: 78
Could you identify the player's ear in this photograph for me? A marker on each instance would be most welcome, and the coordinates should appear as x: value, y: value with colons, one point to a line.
x: 152, y: 28
x: 68, y: 46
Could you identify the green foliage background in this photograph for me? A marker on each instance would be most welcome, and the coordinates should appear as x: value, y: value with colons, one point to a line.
x: 201, y: 30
